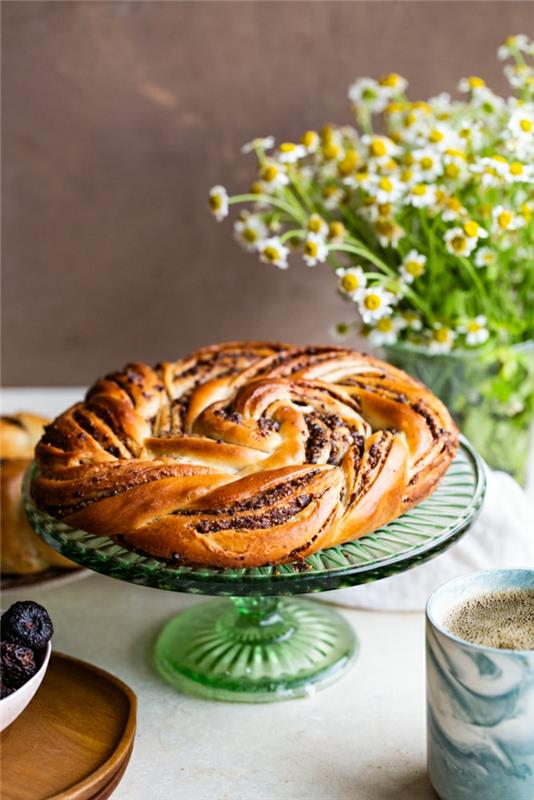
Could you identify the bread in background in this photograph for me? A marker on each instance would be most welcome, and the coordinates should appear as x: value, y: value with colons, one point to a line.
x: 22, y: 552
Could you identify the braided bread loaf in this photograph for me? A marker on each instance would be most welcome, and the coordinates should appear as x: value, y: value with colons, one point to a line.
x: 245, y: 453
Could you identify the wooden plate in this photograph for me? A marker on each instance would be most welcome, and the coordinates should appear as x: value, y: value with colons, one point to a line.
x: 54, y: 576
x: 74, y: 740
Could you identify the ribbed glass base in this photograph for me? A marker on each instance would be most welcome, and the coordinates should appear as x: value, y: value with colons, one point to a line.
x: 255, y: 649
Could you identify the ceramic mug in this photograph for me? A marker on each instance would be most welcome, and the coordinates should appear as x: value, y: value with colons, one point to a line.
x: 480, y: 701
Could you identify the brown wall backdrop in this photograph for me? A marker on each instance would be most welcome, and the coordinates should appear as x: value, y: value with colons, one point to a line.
x: 119, y: 116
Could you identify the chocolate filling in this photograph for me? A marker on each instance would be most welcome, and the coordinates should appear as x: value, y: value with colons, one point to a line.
x: 276, y: 516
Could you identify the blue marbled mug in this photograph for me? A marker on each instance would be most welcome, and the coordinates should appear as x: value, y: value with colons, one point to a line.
x: 480, y: 702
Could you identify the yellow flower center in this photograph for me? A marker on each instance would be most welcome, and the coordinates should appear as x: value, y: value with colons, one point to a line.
x: 384, y: 209
x: 419, y: 189
x: 249, y: 235
x: 458, y: 244
x: 269, y: 173
x: 471, y: 229
x: 385, y: 227
x: 526, y: 125
x: 378, y: 148
x: 410, y: 119
x: 475, y: 83
x: 287, y: 147
x: 316, y: 223
x: 350, y: 282
x: 309, y: 139
x: 270, y: 253
x: 330, y: 151
x: 372, y: 302
x: 385, y: 325
x: 348, y: 163
x: 453, y: 204
x: 427, y: 162
x: 392, y: 80
x: 215, y: 202
x: 452, y: 171
x: 526, y: 212
x: 256, y: 188
x: 473, y: 326
x: 516, y: 168
x: 414, y: 268
x: 311, y: 248
x: 385, y: 184
x: 436, y: 136
x: 505, y: 219
x: 336, y: 230
x: 442, y: 335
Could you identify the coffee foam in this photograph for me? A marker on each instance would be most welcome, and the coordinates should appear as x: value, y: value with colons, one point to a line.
x: 501, y: 619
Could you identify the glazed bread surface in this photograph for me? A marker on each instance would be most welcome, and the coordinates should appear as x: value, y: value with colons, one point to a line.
x: 245, y: 454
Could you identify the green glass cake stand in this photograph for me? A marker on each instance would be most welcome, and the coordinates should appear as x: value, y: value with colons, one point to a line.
x: 261, y: 643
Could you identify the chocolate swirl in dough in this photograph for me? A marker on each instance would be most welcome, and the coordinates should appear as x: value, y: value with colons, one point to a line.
x: 245, y: 454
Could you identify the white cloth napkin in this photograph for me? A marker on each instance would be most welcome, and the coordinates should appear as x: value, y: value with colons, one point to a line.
x: 502, y: 536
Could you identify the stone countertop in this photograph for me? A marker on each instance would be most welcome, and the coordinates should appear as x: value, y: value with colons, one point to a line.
x: 361, y: 739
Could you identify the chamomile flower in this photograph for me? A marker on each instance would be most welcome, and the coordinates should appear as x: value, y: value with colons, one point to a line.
x: 273, y: 175
x: 261, y: 143
x: 315, y: 249
x: 381, y: 148
x: 490, y: 169
x: 289, y: 152
x: 521, y: 123
x: 272, y: 251
x: 520, y: 76
x: 516, y: 172
x: 332, y: 197
x: 249, y: 230
x: 386, y: 189
x: 336, y: 231
x: 471, y: 84
x: 218, y: 202
x: 316, y: 224
x: 389, y: 233
x: 368, y: 93
x: 351, y: 281
x: 475, y: 330
x: 485, y: 257
x: 393, y: 83
x: 473, y: 230
x: 504, y: 219
x: 421, y: 195
x: 374, y: 303
x: 428, y: 163
x: 341, y: 331
x: 513, y: 44
x: 411, y: 320
x: 385, y: 331
x: 441, y: 339
x: 452, y: 208
x: 458, y: 243
x: 455, y: 166
x: 311, y: 141
x: 413, y: 266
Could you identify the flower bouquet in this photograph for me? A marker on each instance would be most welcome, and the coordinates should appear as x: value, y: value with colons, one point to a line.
x: 424, y: 211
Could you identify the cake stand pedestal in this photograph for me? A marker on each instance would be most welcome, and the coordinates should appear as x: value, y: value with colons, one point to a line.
x: 260, y: 643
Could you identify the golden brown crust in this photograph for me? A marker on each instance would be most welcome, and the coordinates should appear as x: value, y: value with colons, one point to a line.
x: 245, y: 453
x: 22, y: 551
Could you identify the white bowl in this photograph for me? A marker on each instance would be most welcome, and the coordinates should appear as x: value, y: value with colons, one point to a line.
x: 14, y: 704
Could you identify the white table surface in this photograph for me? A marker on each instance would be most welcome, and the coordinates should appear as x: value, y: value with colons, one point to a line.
x: 361, y: 739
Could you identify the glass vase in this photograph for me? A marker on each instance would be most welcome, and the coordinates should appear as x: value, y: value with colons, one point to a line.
x: 489, y: 391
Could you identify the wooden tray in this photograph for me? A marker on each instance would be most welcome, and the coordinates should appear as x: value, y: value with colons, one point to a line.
x: 55, y: 576
x: 74, y: 740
